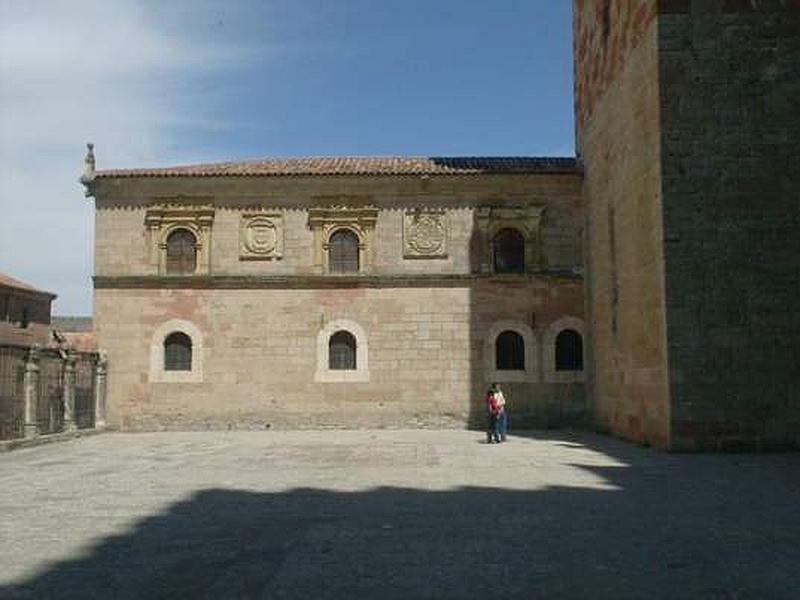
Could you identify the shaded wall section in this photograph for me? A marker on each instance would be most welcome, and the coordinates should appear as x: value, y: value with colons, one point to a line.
x: 730, y: 113
x: 617, y: 126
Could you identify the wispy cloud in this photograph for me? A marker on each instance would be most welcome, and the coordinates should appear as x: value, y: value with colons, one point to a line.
x: 99, y: 70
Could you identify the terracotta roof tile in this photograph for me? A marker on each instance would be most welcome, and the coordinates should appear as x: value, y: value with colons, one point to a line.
x: 360, y: 165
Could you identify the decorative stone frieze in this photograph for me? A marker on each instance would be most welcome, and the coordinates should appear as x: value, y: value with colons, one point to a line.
x: 425, y: 233
x: 324, y: 221
x: 525, y: 219
x: 163, y: 218
x: 261, y: 236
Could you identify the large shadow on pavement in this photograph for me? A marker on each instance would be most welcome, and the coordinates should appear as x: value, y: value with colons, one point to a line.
x: 656, y: 526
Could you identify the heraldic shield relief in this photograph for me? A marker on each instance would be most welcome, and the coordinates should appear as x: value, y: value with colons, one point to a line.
x: 425, y: 234
x: 261, y: 236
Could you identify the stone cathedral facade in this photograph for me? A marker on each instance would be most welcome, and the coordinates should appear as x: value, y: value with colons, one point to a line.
x: 392, y: 291
x: 342, y: 292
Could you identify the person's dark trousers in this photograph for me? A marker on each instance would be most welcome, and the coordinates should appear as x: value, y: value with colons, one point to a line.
x: 503, y: 425
x: 493, y: 435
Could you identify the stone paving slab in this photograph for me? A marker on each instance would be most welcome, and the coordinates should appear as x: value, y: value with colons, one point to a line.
x: 393, y: 514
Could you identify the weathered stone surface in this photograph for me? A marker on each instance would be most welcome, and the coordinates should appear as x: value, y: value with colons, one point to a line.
x: 730, y: 116
x: 693, y: 220
x: 618, y: 137
x: 260, y: 328
x: 393, y: 514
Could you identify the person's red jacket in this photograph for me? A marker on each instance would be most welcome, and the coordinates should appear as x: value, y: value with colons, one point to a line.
x: 491, y: 404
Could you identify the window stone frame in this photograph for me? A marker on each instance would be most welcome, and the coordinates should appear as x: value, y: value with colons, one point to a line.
x: 326, y: 375
x: 157, y: 372
x: 325, y: 221
x: 491, y: 373
x: 549, y: 351
x: 490, y: 220
x: 163, y: 218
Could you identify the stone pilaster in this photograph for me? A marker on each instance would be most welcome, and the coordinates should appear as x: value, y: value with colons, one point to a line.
x: 70, y: 423
x: 31, y: 383
x: 100, y: 374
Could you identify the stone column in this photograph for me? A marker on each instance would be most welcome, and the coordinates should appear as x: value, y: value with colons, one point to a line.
x: 31, y: 385
x: 101, y: 368
x: 69, y: 392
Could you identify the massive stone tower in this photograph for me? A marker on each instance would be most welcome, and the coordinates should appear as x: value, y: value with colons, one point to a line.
x: 688, y: 125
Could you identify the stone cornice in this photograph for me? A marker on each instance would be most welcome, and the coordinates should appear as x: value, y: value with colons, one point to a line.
x: 319, y: 281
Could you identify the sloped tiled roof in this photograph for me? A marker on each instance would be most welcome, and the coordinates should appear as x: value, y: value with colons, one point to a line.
x: 360, y: 165
x: 8, y: 281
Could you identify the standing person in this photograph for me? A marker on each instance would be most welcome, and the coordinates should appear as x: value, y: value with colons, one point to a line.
x: 502, y: 417
x: 493, y: 414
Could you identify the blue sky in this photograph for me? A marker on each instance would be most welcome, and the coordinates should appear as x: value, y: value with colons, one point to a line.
x: 155, y: 83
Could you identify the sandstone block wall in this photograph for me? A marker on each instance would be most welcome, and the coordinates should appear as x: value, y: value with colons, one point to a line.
x: 427, y: 362
x: 122, y: 247
x: 617, y: 120
x: 730, y: 113
x: 687, y: 126
x: 426, y: 325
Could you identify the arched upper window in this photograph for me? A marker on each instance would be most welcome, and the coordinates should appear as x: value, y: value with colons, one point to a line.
x: 178, y: 352
x: 569, y: 351
x: 343, y: 252
x: 509, y: 352
x: 342, y: 351
x: 181, y: 252
x: 509, y: 251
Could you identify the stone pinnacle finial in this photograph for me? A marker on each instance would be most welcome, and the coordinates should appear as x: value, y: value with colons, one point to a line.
x: 88, y: 169
x: 89, y: 162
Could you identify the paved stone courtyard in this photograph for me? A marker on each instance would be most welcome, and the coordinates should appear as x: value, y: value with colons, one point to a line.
x: 393, y: 514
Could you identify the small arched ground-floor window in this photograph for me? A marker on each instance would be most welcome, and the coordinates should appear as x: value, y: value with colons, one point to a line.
x: 569, y: 351
x: 510, y: 352
x: 342, y: 351
x: 178, y: 352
